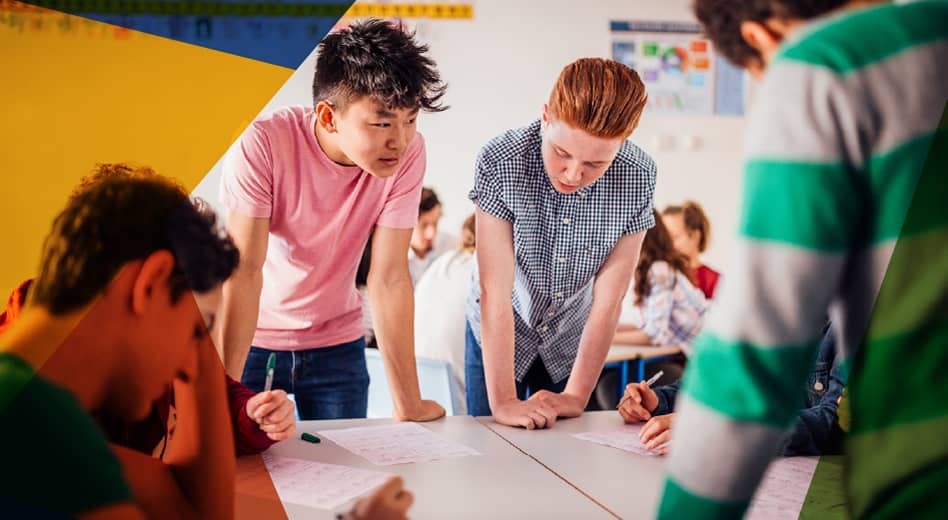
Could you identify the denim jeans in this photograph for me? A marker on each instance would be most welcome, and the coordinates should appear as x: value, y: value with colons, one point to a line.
x: 475, y: 384
x: 328, y: 382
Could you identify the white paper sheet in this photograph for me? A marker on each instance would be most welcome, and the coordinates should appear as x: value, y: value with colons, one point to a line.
x: 323, y: 486
x: 782, y: 492
x: 400, y: 443
x: 625, y: 437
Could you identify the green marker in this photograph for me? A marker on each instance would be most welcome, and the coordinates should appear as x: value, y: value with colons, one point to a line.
x: 309, y: 437
x: 271, y: 365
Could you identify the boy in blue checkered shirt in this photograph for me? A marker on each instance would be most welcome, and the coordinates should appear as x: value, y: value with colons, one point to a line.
x: 563, y: 205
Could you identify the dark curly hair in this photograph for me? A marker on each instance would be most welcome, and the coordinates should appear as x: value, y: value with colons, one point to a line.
x: 374, y: 58
x: 721, y: 20
x: 122, y: 213
x: 657, y: 246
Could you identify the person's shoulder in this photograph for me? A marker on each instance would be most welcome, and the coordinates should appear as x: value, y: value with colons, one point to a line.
x: 660, y: 269
x: 512, y: 144
x: 282, y: 119
x: 837, y: 42
x: 632, y: 157
x: 58, y: 447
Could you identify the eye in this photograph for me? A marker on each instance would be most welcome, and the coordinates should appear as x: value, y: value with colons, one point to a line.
x: 411, y: 121
x: 381, y: 125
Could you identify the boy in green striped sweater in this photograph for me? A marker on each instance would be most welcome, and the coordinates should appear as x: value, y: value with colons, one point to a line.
x: 845, y: 188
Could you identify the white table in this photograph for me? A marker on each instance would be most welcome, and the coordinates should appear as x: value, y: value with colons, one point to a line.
x: 627, y: 484
x: 501, y: 483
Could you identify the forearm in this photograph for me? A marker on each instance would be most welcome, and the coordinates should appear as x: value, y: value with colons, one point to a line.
x: 201, y: 452
x: 497, y: 348
x: 238, y: 318
x: 195, y: 479
x: 392, y: 306
x: 593, y: 347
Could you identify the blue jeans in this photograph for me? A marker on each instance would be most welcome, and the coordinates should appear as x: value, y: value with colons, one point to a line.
x: 475, y: 384
x: 329, y: 382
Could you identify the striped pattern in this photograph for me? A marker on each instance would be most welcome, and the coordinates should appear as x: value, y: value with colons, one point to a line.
x: 844, y: 212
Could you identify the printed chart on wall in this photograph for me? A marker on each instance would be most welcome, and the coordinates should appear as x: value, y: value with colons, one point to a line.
x: 681, y: 72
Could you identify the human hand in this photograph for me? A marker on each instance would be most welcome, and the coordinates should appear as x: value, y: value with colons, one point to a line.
x: 389, y: 502
x: 638, y: 403
x: 528, y: 414
x: 273, y: 413
x: 657, y: 432
x: 564, y: 404
x: 425, y: 411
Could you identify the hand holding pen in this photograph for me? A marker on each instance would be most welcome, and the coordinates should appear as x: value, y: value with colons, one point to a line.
x: 639, y: 400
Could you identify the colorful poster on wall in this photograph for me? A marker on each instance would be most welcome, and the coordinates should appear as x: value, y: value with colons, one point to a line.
x: 677, y: 65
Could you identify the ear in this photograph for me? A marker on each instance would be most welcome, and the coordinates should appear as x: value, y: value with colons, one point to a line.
x: 151, y: 282
x: 326, y: 116
x: 544, y: 116
x: 764, y: 38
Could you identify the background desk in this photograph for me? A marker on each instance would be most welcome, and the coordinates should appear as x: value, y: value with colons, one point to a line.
x: 501, y: 483
x: 622, y: 356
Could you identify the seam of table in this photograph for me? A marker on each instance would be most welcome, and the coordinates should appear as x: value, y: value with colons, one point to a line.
x: 551, y: 470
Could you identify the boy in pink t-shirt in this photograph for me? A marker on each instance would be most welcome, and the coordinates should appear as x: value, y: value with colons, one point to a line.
x: 304, y: 188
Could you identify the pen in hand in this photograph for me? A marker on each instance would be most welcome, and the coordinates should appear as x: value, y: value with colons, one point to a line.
x: 651, y: 381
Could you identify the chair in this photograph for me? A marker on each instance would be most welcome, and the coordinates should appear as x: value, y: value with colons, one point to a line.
x: 434, y: 377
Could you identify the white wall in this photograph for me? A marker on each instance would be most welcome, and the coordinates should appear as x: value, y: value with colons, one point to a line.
x: 500, y: 68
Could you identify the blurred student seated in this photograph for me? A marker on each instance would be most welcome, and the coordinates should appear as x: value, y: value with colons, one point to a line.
x: 817, y: 430
x: 439, y: 306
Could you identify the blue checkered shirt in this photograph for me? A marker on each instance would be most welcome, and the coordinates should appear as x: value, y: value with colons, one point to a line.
x: 560, y: 241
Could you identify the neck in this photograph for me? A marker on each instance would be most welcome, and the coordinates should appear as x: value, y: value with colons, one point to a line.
x: 65, y: 350
x: 329, y: 147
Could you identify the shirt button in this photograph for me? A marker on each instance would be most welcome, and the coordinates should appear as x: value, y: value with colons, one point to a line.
x: 818, y: 386
x: 562, y: 259
x: 551, y: 313
x: 545, y: 328
x: 559, y: 294
x: 566, y: 221
x: 582, y: 194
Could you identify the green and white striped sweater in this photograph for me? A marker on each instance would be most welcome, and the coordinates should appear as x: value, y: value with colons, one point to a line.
x: 845, y: 211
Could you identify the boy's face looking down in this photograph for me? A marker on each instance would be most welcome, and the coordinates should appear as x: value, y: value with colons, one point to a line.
x: 574, y: 158
x: 366, y: 133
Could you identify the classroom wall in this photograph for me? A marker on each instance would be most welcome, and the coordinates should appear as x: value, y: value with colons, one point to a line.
x: 500, y: 67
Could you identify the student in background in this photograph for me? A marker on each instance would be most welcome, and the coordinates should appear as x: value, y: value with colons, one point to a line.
x: 362, y: 285
x: 690, y: 231
x: 816, y: 431
x: 427, y: 244
x: 843, y: 213
x: 439, y: 305
x: 562, y: 206
x: 304, y: 187
x: 662, y: 307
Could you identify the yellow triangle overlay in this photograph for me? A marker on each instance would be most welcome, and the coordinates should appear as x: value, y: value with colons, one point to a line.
x: 100, y: 93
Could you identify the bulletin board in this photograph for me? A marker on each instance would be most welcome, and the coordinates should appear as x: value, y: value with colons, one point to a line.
x: 679, y: 67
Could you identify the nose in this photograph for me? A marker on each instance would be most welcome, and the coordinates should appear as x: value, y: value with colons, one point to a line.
x: 398, y: 140
x: 573, y: 173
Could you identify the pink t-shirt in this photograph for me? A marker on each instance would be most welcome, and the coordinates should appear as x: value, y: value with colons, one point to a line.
x: 320, y: 214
